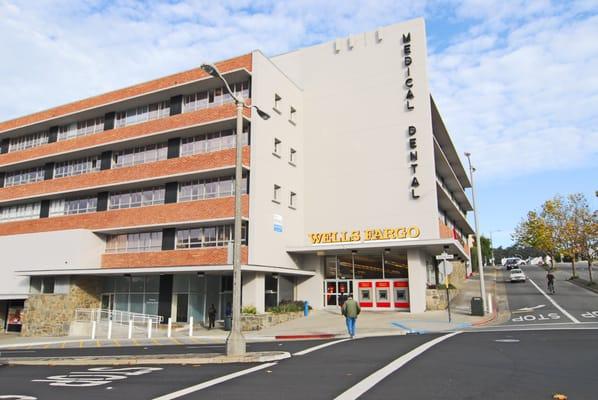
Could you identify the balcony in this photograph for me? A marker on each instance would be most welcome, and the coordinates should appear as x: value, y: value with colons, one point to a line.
x: 114, y: 179
x: 449, y: 180
x: 449, y: 206
x: 115, y: 221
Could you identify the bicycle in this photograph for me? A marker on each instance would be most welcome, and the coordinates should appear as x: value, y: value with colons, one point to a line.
x: 551, y: 287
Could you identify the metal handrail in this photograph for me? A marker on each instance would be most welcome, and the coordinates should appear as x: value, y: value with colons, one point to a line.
x: 116, y: 316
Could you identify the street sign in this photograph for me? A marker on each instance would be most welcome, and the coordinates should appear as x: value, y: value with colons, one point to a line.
x: 445, y: 256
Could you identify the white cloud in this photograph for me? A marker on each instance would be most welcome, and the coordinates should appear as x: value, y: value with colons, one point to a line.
x: 517, y: 78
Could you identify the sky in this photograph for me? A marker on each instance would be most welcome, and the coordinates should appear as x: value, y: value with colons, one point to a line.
x: 516, y: 82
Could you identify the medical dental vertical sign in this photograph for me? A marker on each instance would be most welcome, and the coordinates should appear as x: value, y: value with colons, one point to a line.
x: 409, y: 104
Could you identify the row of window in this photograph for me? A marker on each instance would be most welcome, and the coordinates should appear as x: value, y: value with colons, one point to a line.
x: 136, y: 115
x: 134, y: 242
x: 277, y: 151
x: 207, y: 236
x: 278, y: 107
x: 449, y: 222
x: 214, y: 97
x: 24, y: 176
x: 277, y: 196
x: 187, y: 191
x: 81, y: 128
x: 209, y: 142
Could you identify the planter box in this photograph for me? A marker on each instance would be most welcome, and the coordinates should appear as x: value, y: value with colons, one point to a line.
x: 436, y: 298
x: 251, y: 322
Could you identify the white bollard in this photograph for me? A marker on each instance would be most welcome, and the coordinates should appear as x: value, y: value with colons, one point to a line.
x: 489, y: 303
x: 130, y: 329
x: 190, y: 326
x: 169, y: 331
x: 110, y: 329
x: 149, y: 328
x: 93, y: 330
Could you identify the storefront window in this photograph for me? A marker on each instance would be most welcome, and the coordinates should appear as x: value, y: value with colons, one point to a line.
x: 330, y: 268
x: 395, y: 266
x: 271, y: 291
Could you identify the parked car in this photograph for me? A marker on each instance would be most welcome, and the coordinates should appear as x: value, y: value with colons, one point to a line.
x: 511, y: 263
x: 514, y: 261
x: 517, y: 275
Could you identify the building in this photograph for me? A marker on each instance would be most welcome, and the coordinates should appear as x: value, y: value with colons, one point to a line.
x: 124, y: 200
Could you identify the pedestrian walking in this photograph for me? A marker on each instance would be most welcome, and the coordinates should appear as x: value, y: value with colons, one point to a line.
x: 351, y: 310
x: 211, y: 316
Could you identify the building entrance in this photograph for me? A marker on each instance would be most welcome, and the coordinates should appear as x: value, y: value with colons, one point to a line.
x: 335, y: 289
x: 377, y: 280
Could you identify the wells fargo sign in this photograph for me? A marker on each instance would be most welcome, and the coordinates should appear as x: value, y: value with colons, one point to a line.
x: 410, y: 232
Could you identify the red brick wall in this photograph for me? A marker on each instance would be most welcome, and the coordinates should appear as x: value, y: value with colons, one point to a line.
x: 170, y: 258
x: 129, y: 132
x: 445, y: 231
x: 160, y: 214
x: 181, y: 165
x: 244, y: 61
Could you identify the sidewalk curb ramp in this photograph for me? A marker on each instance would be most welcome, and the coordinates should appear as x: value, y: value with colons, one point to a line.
x: 179, y: 359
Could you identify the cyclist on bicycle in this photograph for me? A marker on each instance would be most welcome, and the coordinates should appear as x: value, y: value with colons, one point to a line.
x: 550, y: 278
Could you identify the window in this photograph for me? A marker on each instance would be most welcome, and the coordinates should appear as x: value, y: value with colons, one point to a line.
x: 38, y: 284
x: 76, y: 167
x: 24, y: 176
x: 276, y: 194
x: 293, y: 115
x: 208, y: 236
x: 136, y: 198
x: 209, y: 188
x: 142, y: 114
x: 20, y: 212
x: 134, y: 242
x: 293, y: 200
x: 277, y: 147
x: 293, y: 156
x: 140, y: 155
x: 209, y: 142
x: 73, y: 206
x: 81, y: 128
x: 28, y: 141
x: 214, y: 97
x: 277, y: 101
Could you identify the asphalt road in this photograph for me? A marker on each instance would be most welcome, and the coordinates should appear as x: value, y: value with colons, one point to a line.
x: 531, y: 305
x: 470, y: 365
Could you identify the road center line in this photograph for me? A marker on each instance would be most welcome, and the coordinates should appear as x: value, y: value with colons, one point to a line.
x: 212, y: 382
x: 366, y: 384
x: 318, y: 347
x: 561, y: 309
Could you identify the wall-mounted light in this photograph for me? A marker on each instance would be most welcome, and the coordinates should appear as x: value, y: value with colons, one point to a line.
x: 275, y: 275
x: 127, y: 275
x: 386, y: 251
x: 201, y: 274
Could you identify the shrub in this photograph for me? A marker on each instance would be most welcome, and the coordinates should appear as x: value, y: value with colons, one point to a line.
x: 286, y: 306
x: 249, y: 310
x: 443, y: 286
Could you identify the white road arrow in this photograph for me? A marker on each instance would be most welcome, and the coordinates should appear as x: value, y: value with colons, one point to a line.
x: 528, y: 309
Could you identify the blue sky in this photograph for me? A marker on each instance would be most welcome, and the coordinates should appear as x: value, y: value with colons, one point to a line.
x: 515, y: 81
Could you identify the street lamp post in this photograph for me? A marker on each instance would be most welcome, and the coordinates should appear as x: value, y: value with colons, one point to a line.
x: 477, y: 235
x: 235, y: 343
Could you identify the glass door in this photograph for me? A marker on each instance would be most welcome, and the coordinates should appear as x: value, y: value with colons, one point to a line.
x: 108, y: 302
x: 336, y: 291
x: 182, y: 307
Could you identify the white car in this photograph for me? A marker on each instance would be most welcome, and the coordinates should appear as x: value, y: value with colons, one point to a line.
x: 514, y: 260
x: 517, y: 275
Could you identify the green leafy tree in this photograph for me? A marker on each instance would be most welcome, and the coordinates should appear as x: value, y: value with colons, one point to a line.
x: 582, y: 229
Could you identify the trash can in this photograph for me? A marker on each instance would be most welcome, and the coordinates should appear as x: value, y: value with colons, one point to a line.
x: 477, y: 306
x: 228, y: 323
x: 305, y: 309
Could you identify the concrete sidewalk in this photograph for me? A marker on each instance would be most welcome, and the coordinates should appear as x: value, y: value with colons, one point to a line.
x: 327, y: 323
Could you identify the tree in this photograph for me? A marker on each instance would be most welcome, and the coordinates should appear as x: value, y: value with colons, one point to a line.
x: 486, y: 249
x: 535, y: 232
x: 582, y: 229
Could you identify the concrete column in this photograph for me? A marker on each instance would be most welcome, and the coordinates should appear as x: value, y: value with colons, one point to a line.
x: 312, y: 288
x: 416, y: 263
x: 253, y: 290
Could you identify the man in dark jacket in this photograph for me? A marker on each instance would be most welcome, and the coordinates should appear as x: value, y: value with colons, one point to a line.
x: 351, y: 310
x: 211, y: 316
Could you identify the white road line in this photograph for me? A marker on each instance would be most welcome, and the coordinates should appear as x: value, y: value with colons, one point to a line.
x: 561, y: 309
x: 318, y: 347
x: 215, y: 381
x: 366, y: 384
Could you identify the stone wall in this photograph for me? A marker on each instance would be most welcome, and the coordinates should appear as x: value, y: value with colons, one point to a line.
x: 51, y: 314
x: 250, y: 322
x: 459, y: 274
x: 436, y: 298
